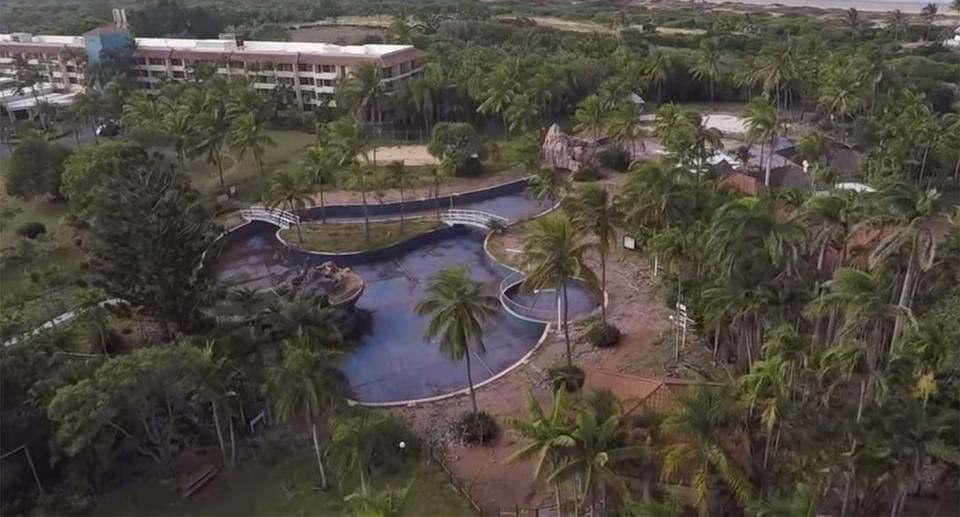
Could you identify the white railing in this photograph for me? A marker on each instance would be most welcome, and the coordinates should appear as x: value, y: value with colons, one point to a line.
x: 525, y: 312
x: 476, y: 218
x: 274, y: 216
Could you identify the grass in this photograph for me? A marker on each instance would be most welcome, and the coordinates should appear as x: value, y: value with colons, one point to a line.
x: 348, y: 237
x: 284, y: 487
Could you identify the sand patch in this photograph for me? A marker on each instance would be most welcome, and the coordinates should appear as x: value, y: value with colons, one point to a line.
x: 412, y: 155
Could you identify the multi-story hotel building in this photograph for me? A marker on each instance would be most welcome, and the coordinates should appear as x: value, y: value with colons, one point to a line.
x: 310, y: 70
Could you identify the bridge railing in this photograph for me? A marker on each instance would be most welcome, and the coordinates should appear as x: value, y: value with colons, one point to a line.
x: 512, y: 283
x: 473, y: 218
x: 281, y: 218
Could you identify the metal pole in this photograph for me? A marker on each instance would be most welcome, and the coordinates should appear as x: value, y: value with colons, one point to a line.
x: 33, y: 469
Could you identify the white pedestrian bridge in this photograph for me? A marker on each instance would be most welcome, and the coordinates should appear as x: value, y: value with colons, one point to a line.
x: 282, y: 218
x: 477, y: 218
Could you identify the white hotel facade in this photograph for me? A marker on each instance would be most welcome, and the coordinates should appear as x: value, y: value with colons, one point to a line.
x: 310, y: 70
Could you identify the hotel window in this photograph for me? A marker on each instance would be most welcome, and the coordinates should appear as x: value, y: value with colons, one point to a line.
x: 158, y: 74
x: 71, y: 68
x: 285, y: 80
x: 236, y: 64
x: 387, y: 72
x: 303, y: 67
x: 141, y: 61
x: 307, y: 81
x: 176, y: 62
x: 328, y: 69
x: 325, y: 82
x: 156, y: 61
x: 73, y: 80
x: 284, y: 67
x: 179, y: 75
x: 404, y: 68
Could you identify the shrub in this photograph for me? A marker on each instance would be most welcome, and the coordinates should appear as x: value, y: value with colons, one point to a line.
x: 603, y: 335
x: 615, y: 157
x: 31, y: 230
x: 588, y: 174
x: 569, y: 378
x: 470, y: 167
x: 477, y: 428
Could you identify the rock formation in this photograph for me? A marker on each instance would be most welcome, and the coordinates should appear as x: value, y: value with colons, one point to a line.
x: 330, y: 284
x: 562, y: 151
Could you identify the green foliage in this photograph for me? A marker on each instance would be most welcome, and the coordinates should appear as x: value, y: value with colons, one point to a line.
x: 31, y: 230
x: 154, y: 258
x: 36, y: 169
x: 477, y: 428
x: 566, y: 377
x: 458, y: 142
x: 87, y: 169
x: 603, y: 335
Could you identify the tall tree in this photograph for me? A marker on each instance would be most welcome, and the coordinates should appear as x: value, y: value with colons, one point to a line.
x: 762, y: 126
x: 591, y: 211
x: 250, y: 135
x: 307, y: 385
x: 358, y: 92
x: 320, y: 162
x: 457, y: 308
x: 291, y: 189
x: 590, y: 116
x: 708, y: 66
x: 553, y: 255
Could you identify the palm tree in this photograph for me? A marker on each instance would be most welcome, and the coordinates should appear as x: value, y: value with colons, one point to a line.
x: 765, y: 389
x: 397, y: 171
x: 384, y: 503
x: 708, y: 65
x: 547, y: 185
x: 762, y: 126
x: 142, y: 111
x: 929, y: 13
x: 590, y: 116
x: 547, y: 436
x: 950, y: 138
x: 598, y: 449
x: 703, y: 412
x: 307, y: 385
x: 659, y: 67
x: 293, y: 190
x: 358, y: 177
x: 624, y: 125
x: 249, y: 134
x: 359, y: 91
x: 178, y: 122
x: 319, y: 161
x: 212, y: 127
x: 913, y: 212
x: 88, y: 105
x: 553, y: 254
x: 852, y: 18
x: 456, y: 307
x: 359, y: 440
x: 897, y: 22
x: 591, y: 211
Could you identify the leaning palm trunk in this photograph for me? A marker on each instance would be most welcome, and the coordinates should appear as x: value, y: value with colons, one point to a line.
x: 473, y: 395
x: 366, y: 216
x: 316, y: 450
x: 603, y: 285
x: 216, y: 425
x: 905, y: 291
x: 566, y: 327
x: 323, y: 205
x: 401, y: 202
x: 219, y: 159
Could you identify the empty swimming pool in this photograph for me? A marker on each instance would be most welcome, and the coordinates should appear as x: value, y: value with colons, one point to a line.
x: 391, y: 360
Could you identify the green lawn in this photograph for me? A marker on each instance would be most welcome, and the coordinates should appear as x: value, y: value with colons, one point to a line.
x: 348, y: 237
x: 284, y: 487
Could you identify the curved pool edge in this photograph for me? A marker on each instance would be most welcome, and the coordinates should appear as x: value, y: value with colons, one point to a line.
x: 463, y: 391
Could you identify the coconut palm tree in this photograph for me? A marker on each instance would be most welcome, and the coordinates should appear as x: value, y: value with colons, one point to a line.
x: 590, y: 116
x: 320, y: 162
x: 397, y: 172
x: 383, y: 503
x: 88, y: 105
x: 897, y: 23
x: 703, y: 413
x: 659, y: 67
x: 358, y: 177
x: 250, y: 135
x: 762, y: 126
x: 552, y: 255
x: 708, y: 66
x: 212, y: 125
x: 359, y: 440
x: 359, y: 91
x: 623, y: 125
x: 593, y: 214
x: 142, y: 111
x: 852, y: 18
x: 547, y: 185
x: 929, y: 13
x: 764, y: 389
x: 292, y: 190
x: 913, y: 214
x: 546, y: 436
x: 456, y: 308
x: 307, y: 385
x: 178, y: 122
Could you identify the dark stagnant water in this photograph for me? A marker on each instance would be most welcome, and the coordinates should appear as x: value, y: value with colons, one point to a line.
x: 391, y: 360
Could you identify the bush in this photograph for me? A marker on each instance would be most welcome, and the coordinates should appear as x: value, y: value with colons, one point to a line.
x: 570, y: 378
x: 477, y: 428
x: 32, y: 230
x: 603, y: 335
x: 615, y: 157
x: 588, y: 174
x: 470, y: 168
